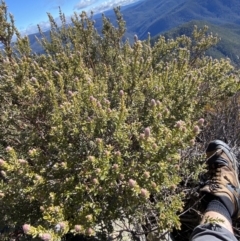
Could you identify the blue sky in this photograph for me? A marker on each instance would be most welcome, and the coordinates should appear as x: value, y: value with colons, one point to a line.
x: 29, y: 13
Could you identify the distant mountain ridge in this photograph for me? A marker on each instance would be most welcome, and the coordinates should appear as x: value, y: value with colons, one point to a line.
x: 161, y: 15
x: 158, y: 16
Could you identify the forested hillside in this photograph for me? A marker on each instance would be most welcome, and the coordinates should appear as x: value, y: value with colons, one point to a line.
x: 173, y: 18
x: 228, y: 45
x: 156, y: 16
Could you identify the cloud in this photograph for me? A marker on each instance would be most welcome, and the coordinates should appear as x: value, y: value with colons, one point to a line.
x: 111, y: 4
x: 84, y: 3
x: 32, y: 28
x: 96, y: 8
x: 44, y: 25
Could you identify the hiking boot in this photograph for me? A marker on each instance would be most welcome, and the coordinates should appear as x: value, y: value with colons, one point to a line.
x: 221, y: 179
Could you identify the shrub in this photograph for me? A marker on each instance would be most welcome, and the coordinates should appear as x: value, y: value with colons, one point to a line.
x: 94, y: 130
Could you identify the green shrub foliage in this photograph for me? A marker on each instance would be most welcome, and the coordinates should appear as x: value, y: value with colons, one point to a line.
x: 92, y: 130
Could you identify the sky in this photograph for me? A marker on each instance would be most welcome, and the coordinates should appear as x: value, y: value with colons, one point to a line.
x: 29, y: 13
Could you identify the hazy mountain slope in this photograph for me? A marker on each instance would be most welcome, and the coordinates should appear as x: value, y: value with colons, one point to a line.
x: 143, y: 18
x: 228, y: 45
x: 158, y: 16
x: 163, y: 15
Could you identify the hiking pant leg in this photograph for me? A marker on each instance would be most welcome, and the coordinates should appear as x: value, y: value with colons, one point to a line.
x: 211, y: 232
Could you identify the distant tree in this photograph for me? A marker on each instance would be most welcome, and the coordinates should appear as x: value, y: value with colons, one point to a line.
x: 94, y: 133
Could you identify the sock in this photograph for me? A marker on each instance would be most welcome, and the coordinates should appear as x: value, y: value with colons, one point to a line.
x: 217, y: 206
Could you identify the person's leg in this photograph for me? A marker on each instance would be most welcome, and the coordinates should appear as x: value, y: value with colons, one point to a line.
x: 217, y: 216
x: 220, y: 185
